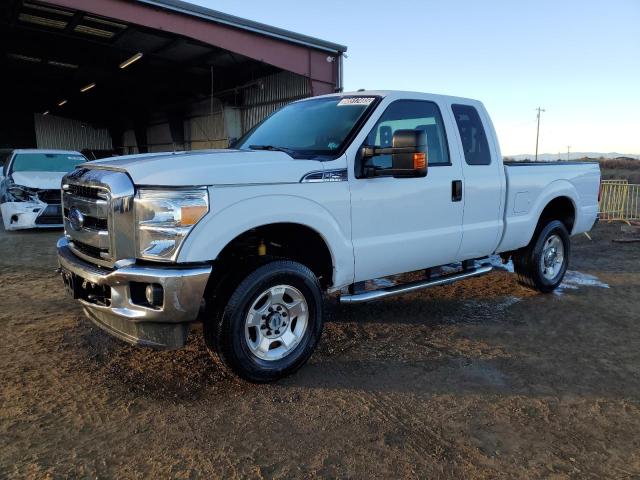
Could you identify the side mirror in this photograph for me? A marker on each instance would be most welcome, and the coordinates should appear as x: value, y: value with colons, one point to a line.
x: 408, y: 155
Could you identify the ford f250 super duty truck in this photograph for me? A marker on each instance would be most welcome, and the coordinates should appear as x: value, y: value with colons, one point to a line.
x: 323, y: 195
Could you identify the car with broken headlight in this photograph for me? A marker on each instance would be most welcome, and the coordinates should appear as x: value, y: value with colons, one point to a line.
x: 30, y: 187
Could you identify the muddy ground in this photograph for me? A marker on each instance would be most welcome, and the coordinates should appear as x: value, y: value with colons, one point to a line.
x: 482, y: 379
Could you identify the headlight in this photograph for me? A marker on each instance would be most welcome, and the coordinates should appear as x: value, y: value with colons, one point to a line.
x: 165, y: 217
x: 22, y: 194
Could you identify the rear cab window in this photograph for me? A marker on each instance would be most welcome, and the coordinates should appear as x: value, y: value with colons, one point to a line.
x: 472, y: 134
x: 411, y: 114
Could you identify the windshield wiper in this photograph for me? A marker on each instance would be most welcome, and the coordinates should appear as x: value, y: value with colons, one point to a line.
x: 273, y: 148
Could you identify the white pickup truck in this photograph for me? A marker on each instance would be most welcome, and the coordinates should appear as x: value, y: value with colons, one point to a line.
x: 323, y: 195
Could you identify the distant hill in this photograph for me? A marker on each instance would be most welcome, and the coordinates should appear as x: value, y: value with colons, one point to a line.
x: 572, y: 156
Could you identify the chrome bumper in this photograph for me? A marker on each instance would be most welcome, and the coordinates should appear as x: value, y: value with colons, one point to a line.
x: 159, y: 327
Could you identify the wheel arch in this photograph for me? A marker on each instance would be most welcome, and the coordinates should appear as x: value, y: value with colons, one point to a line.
x: 294, y: 241
x: 217, y: 232
x: 561, y: 208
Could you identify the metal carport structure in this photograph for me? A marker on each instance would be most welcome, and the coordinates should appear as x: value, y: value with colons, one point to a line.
x: 147, y: 75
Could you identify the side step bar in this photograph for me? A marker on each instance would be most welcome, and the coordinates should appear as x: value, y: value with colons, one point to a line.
x: 371, y: 295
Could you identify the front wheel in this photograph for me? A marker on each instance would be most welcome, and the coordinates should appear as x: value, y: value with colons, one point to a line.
x: 271, y: 324
x: 542, y: 264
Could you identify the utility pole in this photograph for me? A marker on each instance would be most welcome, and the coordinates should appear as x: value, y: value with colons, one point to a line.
x: 568, y: 149
x: 538, y: 130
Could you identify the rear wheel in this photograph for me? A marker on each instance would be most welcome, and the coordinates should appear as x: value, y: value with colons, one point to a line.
x: 271, y: 323
x: 542, y: 264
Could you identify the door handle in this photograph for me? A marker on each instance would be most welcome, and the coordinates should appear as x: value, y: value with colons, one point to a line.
x: 456, y: 190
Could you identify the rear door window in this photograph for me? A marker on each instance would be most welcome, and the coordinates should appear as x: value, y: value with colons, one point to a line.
x: 472, y: 135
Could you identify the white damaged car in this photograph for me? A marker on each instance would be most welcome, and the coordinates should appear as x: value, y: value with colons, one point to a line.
x: 30, y: 187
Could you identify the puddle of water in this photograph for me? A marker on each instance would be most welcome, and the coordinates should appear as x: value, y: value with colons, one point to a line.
x: 573, y: 280
x: 380, y: 283
x: 487, y: 309
x: 496, y: 262
x: 507, y: 302
x: 484, y: 373
x: 449, y: 269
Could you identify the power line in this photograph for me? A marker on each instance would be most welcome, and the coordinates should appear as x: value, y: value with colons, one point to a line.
x: 538, y: 130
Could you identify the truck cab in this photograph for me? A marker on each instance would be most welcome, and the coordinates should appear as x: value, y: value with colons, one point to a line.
x: 320, y: 197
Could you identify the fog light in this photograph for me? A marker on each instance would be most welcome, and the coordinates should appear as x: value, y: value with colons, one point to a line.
x: 153, y: 293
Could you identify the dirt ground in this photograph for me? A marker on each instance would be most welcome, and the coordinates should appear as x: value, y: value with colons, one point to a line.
x: 481, y: 379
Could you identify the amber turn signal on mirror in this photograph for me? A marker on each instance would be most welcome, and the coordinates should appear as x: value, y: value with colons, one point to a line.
x: 420, y: 161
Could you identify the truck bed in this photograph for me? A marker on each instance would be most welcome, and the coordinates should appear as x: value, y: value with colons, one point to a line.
x: 532, y: 185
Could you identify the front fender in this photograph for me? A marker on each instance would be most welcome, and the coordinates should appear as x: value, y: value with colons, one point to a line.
x: 220, y: 227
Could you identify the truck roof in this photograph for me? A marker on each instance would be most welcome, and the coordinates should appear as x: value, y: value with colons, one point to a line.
x: 401, y: 94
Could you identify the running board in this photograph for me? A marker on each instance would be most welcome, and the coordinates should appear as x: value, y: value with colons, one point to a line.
x: 372, y: 295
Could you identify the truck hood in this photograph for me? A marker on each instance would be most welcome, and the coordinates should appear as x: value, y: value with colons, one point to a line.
x: 211, y: 167
x: 39, y: 180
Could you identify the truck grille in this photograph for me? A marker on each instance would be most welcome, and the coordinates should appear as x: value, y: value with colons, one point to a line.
x: 85, y: 192
x: 98, y: 215
x: 90, y: 250
x: 91, y: 223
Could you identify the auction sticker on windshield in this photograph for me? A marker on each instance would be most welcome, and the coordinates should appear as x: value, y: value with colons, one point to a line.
x: 356, y: 101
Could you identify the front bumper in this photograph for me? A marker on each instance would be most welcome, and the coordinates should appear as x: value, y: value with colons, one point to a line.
x: 23, y: 215
x: 118, y: 311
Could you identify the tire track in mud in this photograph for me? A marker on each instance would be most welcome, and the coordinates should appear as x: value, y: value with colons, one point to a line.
x: 419, y: 439
x: 427, y: 446
x: 381, y: 404
x: 425, y: 443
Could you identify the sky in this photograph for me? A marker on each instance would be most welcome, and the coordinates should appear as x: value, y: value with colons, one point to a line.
x: 579, y: 60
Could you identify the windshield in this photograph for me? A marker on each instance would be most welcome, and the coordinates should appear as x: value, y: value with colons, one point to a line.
x: 312, y: 127
x: 46, y: 162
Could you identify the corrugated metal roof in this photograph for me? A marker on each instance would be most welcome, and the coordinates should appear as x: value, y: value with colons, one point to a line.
x: 244, y: 24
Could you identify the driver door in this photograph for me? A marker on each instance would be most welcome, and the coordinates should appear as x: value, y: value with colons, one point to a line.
x: 406, y: 224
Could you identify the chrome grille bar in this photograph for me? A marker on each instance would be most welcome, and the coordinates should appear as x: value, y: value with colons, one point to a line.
x: 92, y: 208
x: 98, y: 215
x: 95, y: 238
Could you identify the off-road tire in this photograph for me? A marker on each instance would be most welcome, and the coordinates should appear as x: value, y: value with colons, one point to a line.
x: 224, y: 327
x: 527, y: 260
